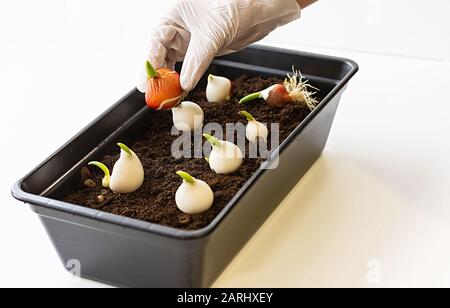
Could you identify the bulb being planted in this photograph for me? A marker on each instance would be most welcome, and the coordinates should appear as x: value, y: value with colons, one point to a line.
x: 188, y: 117
x: 163, y: 88
x: 295, y: 89
x: 255, y: 130
x: 193, y: 196
x: 218, y: 89
x: 225, y: 156
x: 127, y: 175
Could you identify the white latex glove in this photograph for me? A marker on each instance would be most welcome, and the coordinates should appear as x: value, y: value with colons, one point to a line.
x: 196, y: 31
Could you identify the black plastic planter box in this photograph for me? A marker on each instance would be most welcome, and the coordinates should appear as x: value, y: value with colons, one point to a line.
x: 132, y: 253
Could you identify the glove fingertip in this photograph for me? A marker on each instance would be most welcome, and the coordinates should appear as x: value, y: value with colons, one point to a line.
x: 142, y: 83
x: 187, y: 82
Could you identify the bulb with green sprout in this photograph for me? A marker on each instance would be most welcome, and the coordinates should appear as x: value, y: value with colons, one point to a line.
x: 127, y: 175
x: 193, y: 196
x: 255, y: 130
x: 225, y: 156
x: 107, y: 177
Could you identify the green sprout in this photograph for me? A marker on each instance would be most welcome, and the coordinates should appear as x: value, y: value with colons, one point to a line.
x: 247, y: 115
x: 125, y: 148
x: 101, y: 166
x: 151, y: 72
x: 251, y: 97
x: 186, y: 177
x: 213, y: 140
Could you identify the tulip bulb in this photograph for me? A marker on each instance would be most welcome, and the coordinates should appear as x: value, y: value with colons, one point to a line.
x: 127, y: 175
x: 225, y: 156
x: 255, y: 130
x: 193, y: 196
x: 188, y: 117
x: 107, y: 177
x: 295, y: 89
x: 218, y: 89
x: 163, y: 88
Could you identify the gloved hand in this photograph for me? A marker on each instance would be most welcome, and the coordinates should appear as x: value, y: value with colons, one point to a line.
x: 196, y: 31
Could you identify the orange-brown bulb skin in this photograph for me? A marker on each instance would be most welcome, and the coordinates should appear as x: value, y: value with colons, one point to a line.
x: 164, y: 91
x: 279, y: 96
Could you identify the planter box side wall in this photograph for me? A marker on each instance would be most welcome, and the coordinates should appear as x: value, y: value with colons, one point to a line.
x: 122, y: 260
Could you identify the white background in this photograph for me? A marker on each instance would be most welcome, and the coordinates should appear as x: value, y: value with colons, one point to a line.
x: 377, y: 202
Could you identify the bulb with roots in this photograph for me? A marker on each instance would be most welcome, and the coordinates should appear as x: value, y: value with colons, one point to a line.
x: 295, y: 89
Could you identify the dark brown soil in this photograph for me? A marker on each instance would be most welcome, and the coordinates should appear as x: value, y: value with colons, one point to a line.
x: 155, y: 200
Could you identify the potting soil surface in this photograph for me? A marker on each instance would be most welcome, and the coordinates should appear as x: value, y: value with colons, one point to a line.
x: 155, y: 200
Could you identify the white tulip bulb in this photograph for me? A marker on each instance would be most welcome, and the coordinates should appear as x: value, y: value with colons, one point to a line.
x: 218, y: 89
x: 193, y: 196
x: 225, y: 156
x: 188, y: 117
x: 255, y: 130
x: 127, y: 175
